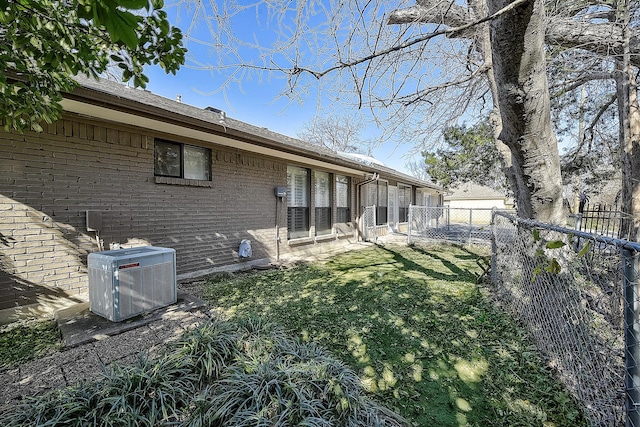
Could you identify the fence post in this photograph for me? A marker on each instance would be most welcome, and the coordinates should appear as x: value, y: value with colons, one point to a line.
x: 631, y: 337
x: 470, y: 225
x: 375, y: 224
x: 410, y: 219
x: 578, y: 221
x: 494, y: 247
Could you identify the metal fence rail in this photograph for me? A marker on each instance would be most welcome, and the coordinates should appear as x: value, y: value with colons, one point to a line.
x: 577, y: 295
x: 603, y: 220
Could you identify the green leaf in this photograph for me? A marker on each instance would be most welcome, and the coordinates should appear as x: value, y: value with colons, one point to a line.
x: 536, y: 235
x: 122, y: 28
x: 553, y: 267
x: 555, y: 244
x: 164, y: 26
x: 133, y: 4
x: 584, y: 250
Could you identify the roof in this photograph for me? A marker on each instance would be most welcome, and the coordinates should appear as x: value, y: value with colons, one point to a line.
x: 114, y: 96
x: 472, y: 191
x: 362, y: 158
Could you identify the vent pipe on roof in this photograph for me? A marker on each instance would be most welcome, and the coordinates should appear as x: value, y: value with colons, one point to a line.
x: 223, y: 116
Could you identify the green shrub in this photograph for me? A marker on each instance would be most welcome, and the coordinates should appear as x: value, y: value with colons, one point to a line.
x: 208, y: 349
x: 147, y: 394
x: 292, y: 383
x: 220, y: 374
x: 71, y: 406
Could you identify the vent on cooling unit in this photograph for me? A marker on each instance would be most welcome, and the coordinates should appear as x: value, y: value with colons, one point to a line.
x: 124, y: 283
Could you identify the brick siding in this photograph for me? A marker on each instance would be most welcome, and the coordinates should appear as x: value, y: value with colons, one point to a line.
x: 49, y: 180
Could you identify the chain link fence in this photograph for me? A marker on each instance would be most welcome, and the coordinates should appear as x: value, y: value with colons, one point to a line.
x: 576, y: 292
x: 577, y: 295
x: 442, y: 223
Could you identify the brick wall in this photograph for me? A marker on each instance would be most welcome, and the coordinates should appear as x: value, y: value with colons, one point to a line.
x: 49, y: 180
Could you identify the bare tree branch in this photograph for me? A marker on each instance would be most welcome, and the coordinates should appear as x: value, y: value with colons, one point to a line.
x: 589, y: 129
x: 450, y: 31
x: 576, y: 83
x: 603, y: 38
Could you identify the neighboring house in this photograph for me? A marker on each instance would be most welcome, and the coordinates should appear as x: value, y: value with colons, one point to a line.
x: 146, y: 170
x: 474, y: 196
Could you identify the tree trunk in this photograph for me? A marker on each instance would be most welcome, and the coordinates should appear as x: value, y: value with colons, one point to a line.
x: 629, y: 116
x: 483, y: 36
x: 517, y: 44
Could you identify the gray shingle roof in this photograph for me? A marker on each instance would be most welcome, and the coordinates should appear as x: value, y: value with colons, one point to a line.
x: 139, y: 98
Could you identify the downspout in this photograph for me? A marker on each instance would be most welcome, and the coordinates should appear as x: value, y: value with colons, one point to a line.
x: 277, y: 229
x: 373, y: 178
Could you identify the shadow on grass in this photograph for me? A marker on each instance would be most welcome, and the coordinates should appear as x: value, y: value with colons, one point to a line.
x: 457, y: 272
x: 414, y: 325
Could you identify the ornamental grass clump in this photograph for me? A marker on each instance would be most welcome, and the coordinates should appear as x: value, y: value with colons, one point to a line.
x: 207, y: 349
x: 150, y: 393
x: 73, y: 406
x: 246, y: 373
x: 278, y: 381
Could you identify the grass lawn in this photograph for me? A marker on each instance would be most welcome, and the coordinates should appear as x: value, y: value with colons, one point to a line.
x: 424, y: 338
x: 27, y: 340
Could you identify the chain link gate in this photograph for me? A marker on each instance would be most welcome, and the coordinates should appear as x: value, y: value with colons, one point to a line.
x: 369, y: 230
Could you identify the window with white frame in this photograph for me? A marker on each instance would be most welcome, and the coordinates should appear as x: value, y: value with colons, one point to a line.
x: 343, y: 199
x: 377, y: 193
x: 176, y: 160
x: 424, y: 198
x: 322, y: 190
x: 297, y: 202
x: 392, y: 209
x: 404, y: 200
x: 382, y: 202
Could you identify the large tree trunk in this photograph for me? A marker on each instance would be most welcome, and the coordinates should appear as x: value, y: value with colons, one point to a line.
x: 519, y: 64
x: 483, y: 36
x: 629, y: 116
x: 631, y: 162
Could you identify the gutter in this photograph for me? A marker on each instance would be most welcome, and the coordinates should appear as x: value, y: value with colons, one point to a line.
x: 131, y: 107
x: 108, y: 100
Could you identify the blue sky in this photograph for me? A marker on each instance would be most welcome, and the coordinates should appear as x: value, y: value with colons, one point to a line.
x: 253, y: 98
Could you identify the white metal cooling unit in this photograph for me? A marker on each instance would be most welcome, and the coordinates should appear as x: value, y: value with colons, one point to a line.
x: 124, y: 283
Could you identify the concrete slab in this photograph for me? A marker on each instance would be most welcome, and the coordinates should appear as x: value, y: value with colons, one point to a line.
x: 79, y: 326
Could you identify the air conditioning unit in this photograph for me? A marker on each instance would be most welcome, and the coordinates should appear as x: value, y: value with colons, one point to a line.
x: 124, y: 283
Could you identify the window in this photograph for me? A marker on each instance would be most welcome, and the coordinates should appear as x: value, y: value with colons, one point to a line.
x: 182, y: 161
x: 297, y: 202
x: 377, y: 193
x: 343, y: 193
x: 423, y: 198
x: 382, y: 203
x: 404, y: 200
x: 322, y: 184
